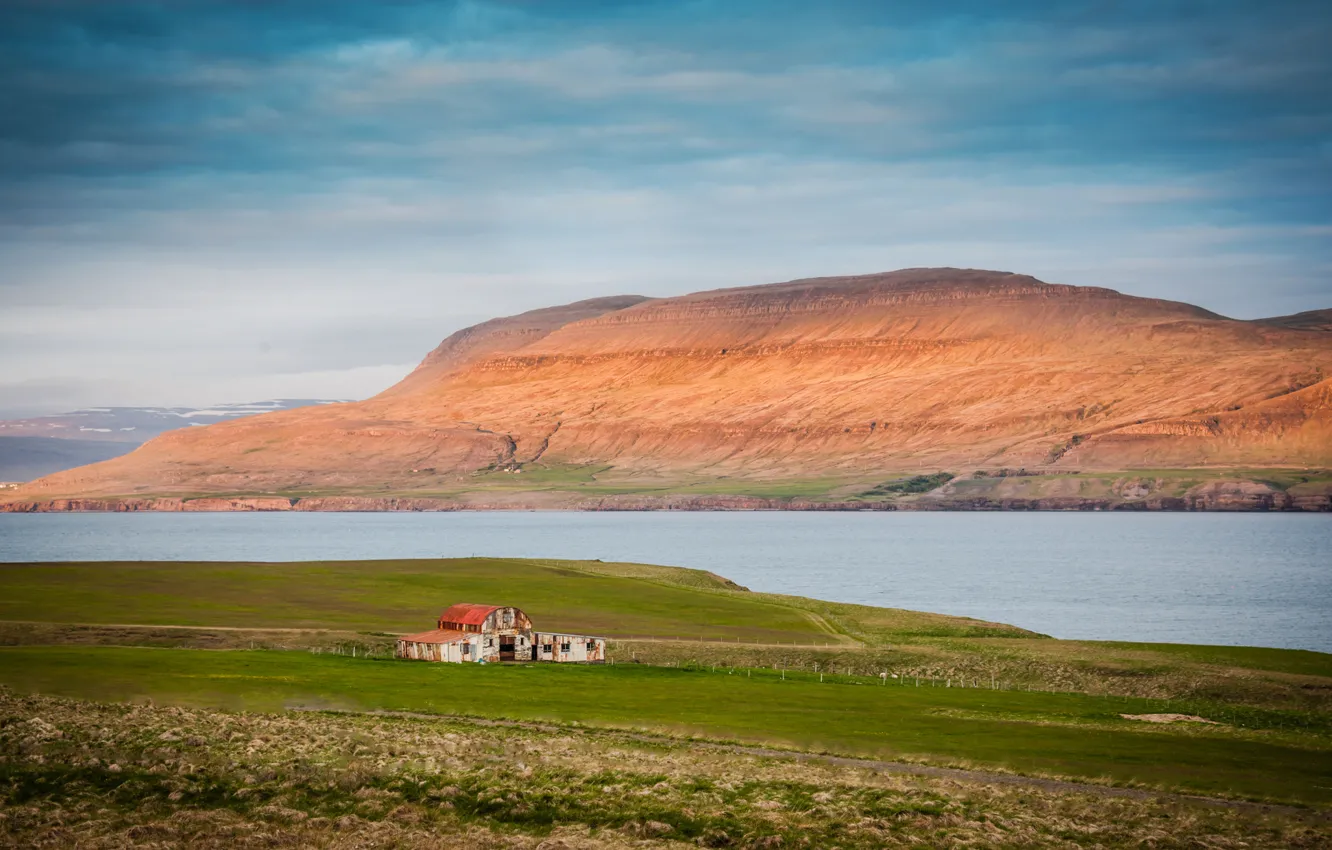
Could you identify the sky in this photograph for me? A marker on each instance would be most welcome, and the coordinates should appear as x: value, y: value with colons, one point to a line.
x: 206, y: 202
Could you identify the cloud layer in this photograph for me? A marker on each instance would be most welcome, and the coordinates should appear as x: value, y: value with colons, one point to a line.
x: 216, y: 201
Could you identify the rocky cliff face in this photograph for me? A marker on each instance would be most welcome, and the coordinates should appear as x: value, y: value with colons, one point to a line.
x: 918, y: 369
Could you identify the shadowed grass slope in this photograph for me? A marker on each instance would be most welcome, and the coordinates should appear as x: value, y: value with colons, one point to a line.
x: 407, y: 595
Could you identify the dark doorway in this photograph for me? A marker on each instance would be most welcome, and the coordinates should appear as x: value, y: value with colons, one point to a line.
x: 506, y: 649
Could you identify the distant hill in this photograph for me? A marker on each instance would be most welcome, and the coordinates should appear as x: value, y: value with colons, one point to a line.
x: 918, y: 370
x: 1310, y: 320
x: 31, y: 448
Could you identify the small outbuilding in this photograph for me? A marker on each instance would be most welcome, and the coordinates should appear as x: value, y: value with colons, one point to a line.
x: 492, y: 633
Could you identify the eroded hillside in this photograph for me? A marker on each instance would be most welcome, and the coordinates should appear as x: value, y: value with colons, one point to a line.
x: 828, y: 378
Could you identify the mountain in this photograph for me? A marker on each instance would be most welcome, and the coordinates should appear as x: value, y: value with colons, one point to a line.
x: 1310, y: 320
x: 30, y: 448
x: 845, y: 381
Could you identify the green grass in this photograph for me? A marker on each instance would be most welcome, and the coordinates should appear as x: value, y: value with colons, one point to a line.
x: 1276, y: 741
x: 914, y: 484
x: 623, y: 601
x: 114, y: 774
x: 543, y: 475
x: 1186, y: 656
x: 401, y: 596
x: 553, y: 484
x: 604, y: 480
x: 1289, y: 475
x: 1296, y: 661
x: 977, y: 727
x: 792, y: 488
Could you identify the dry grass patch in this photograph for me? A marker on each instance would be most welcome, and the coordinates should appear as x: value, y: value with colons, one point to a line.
x: 87, y: 774
x: 1169, y: 718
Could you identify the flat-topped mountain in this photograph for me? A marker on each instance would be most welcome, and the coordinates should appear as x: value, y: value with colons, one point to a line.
x: 832, y: 378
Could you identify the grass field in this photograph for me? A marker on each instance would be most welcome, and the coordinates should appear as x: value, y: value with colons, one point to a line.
x: 1035, y: 733
x: 397, y: 596
x: 115, y: 775
x: 84, y: 630
x: 402, y: 596
x: 380, y: 598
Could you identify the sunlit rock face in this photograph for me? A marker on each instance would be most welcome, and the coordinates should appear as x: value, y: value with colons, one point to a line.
x: 920, y: 369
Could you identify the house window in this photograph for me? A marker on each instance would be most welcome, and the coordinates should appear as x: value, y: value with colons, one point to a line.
x: 591, y: 646
x: 466, y: 649
x: 547, y: 648
x: 564, y: 647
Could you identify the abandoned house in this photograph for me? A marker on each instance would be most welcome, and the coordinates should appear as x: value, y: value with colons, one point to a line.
x: 490, y: 633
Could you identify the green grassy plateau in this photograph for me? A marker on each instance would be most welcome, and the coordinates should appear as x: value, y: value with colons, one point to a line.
x: 396, y: 596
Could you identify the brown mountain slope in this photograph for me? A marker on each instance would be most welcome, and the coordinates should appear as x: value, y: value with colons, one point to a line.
x: 921, y: 369
x: 498, y: 335
x: 1310, y: 320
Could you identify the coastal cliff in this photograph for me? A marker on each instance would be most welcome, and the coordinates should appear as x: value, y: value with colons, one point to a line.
x: 1211, y: 496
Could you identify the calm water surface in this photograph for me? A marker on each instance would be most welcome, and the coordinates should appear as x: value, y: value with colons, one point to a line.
x: 1251, y: 579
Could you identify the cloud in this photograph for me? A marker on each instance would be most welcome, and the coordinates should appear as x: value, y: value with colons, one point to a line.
x: 300, y: 189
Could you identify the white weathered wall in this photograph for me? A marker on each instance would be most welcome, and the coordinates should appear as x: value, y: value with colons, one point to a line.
x: 578, y: 647
x: 447, y: 652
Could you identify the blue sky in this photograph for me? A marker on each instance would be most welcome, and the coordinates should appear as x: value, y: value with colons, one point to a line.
x: 209, y: 201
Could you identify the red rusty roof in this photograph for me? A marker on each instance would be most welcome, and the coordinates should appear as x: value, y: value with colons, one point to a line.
x: 436, y: 636
x: 467, y: 614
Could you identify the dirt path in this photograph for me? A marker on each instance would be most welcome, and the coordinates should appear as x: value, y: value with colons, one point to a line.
x: 722, y: 642
x: 256, y: 629
x: 894, y: 767
x: 827, y: 628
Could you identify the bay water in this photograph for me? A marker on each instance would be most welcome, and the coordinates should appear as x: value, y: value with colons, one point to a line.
x: 1233, y: 579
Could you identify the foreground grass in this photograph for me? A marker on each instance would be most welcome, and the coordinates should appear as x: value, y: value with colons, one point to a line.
x: 1066, y: 735
x: 89, y: 774
x: 325, y: 781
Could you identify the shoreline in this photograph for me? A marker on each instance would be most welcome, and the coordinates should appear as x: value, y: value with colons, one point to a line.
x: 1237, y: 501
